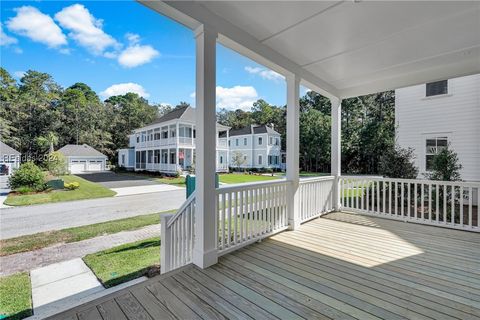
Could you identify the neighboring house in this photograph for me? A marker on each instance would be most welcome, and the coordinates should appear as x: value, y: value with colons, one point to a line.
x: 168, y: 144
x: 431, y: 116
x: 9, y: 159
x: 255, y: 146
x: 83, y: 158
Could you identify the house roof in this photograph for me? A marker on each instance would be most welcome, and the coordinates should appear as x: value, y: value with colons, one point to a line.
x: 80, y: 150
x: 256, y: 129
x: 186, y: 113
x: 7, y: 150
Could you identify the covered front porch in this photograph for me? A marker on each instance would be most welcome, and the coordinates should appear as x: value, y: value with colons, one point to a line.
x: 340, y: 266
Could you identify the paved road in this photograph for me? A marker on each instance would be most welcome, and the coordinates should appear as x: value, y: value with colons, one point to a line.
x: 118, y: 180
x: 19, y: 221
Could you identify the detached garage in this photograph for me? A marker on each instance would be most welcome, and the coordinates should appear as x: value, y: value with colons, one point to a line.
x: 83, y: 158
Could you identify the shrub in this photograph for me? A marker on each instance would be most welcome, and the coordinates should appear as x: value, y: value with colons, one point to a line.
x: 28, y: 175
x: 398, y: 163
x: 445, y: 166
x: 56, y: 163
x: 72, y: 185
x: 24, y: 190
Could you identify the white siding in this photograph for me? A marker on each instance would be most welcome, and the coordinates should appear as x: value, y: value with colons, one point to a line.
x: 455, y: 115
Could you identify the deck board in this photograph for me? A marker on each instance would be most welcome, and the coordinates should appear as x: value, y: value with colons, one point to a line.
x: 341, y: 266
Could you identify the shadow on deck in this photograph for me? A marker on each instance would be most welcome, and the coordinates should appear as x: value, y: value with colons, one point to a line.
x: 339, y: 266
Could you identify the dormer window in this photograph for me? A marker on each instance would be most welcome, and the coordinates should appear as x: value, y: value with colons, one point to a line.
x: 436, y: 88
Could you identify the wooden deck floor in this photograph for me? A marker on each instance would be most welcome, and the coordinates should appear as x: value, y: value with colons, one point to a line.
x: 342, y: 266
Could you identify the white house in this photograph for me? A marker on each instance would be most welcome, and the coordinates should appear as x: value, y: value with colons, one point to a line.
x: 447, y: 112
x: 168, y: 144
x: 9, y: 159
x: 255, y: 146
x: 83, y: 158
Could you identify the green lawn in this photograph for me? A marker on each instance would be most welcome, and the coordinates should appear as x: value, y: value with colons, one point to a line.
x: 232, y: 178
x: 87, y: 190
x: 45, y: 239
x: 313, y: 174
x: 126, y: 262
x: 179, y: 182
x: 15, y: 296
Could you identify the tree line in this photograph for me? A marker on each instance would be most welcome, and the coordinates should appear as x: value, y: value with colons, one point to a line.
x: 37, y: 113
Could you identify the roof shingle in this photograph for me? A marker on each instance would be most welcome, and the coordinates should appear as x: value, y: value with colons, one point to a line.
x: 80, y: 150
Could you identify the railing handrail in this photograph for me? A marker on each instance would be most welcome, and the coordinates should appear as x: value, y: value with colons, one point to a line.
x: 181, y: 209
x: 315, y: 179
x: 449, y: 183
x: 250, y: 185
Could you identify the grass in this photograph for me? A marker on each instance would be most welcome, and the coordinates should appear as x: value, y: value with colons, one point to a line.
x: 126, y: 262
x: 15, y: 296
x: 45, y: 239
x: 179, y: 182
x: 87, y: 190
x: 313, y: 174
x: 232, y: 178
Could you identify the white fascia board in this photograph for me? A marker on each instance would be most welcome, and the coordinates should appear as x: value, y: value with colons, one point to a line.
x: 193, y: 15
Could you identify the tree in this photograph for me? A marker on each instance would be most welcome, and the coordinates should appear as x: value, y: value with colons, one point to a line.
x: 445, y: 166
x: 237, y: 159
x: 56, y: 163
x: 50, y: 140
x: 398, y: 163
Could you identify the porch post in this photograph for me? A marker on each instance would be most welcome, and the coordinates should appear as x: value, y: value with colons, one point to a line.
x: 205, y: 244
x: 293, y: 140
x: 336, y: 151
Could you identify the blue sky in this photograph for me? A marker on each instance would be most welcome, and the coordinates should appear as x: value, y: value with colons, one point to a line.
x: 123, y: 46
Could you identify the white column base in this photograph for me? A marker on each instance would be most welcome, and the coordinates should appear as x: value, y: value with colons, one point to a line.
x: 205, y: 259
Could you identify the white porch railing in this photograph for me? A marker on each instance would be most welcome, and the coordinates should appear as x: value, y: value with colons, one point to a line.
x: 249, y: 212
x: 440, y: 203
x: 177, y: 232
x: 315, y: 197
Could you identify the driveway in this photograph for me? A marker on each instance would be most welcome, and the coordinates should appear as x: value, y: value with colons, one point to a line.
x: 118, y: 180
x: 18, y: 221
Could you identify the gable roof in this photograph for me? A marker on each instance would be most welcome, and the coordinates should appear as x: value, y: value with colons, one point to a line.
x: 256, y: 129
x: 80, y: 150
x: 7, y: 150
x: 185, y: 113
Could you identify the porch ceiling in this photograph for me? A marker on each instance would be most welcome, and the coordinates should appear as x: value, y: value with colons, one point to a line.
x: 346, y: 48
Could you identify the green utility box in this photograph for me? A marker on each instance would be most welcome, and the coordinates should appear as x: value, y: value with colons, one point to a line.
x: 56, y: 184
x: 190, y: 182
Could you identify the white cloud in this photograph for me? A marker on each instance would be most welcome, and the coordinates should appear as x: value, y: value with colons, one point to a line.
x: 136, y: 55
x: 132, y: 38
x: 237, y: 97
x: 264, y: 73
x: 122, y: 88
x: 39, y: 27
x: 19, y: 74
x: 85, y: 29
x: 6, y: 40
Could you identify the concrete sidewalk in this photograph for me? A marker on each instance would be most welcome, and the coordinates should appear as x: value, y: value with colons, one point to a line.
x: 128, y: 191
x: 26, y: 261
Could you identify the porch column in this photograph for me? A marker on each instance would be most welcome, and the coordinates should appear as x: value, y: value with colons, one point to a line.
x: 336, y: 149
x: 293, y: 140
x: 177, y: 135
x: 205, y: 245
x: 228, y: 150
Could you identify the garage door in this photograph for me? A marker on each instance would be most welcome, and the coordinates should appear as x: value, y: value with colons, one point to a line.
x: 77, y: 166
x: 95, y: 165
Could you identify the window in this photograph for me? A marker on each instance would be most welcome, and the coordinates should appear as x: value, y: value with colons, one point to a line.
x: 150, y: 156
x: 436, y: 88
x: 271, y: 140
x: 269, y: 160
x: 260, y: 141
x: 123, y: 159
x: 229, y: 143
x: 244, y: 141
x: 138, y: 139
x: 433, y: 147
x: 260, y: 159
x: 221, y: 159
x: 277, y: 141
x: 236, y: 142
x: 245, y: 158
x: 156, y: 157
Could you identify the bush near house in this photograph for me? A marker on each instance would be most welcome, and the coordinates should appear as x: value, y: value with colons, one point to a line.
x: 28, y: 176
x: 398, y: 163
x: 445, y: 166
x: 56, y: 163
x: 72, y: 185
